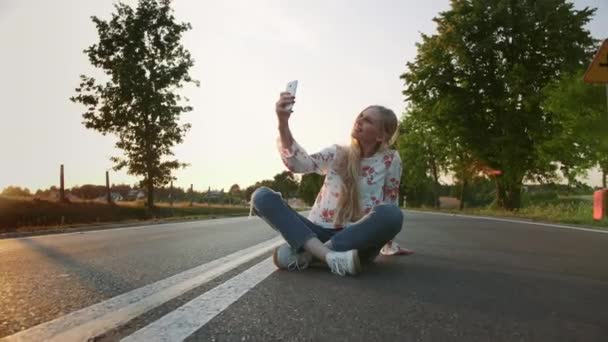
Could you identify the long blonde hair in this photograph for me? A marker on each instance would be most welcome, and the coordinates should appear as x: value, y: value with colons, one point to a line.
x: 349, y: 165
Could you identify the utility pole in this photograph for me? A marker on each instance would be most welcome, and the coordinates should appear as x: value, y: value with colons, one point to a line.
x: 61, y: 185
x: 108, y: 194
x: 191, y: 194
x: 171, y: 194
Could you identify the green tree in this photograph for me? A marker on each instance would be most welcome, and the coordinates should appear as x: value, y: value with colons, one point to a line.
x: 464, y: 168
x: 424, y: 152
x: 480, y: 79
x: 579, y: 111
x: 16, y: 191
x: 250, y: 189
x: 140, y: 50
x: 285, y: 183
x: 235, y: 190
x: 310, y: 185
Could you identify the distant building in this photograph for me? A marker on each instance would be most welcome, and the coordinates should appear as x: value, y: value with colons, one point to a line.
x: 214, y: 194
x: 135, y: 195
x: 116, y: 197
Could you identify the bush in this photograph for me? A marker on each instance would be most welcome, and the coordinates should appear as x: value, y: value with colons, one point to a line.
x: 538, y: 198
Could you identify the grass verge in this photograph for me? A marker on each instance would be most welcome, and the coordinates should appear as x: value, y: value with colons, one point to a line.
x: 570, y: 211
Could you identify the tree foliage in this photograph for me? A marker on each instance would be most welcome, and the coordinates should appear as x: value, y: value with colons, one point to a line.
x: 141, y: 53
x: 16, y: 191
x: 581, y: 117
x: 479, y: 80
x: 310, y: 185
x: 424, y: 151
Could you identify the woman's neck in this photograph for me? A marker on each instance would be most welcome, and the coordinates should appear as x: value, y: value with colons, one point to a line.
x: 367, y: 151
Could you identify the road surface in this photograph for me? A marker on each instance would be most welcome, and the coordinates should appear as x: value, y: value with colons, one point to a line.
x: 471, y: 279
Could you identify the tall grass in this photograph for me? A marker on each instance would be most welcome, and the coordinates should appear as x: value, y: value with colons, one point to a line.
x: 575, y: 210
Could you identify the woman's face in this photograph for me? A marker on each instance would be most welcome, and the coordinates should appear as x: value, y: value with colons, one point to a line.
x: 367, y: 128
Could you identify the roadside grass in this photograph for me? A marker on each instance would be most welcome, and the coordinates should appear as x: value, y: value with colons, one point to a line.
x: 571, y: 209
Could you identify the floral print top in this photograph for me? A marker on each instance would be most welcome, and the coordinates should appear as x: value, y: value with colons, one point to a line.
x: 379, y: 179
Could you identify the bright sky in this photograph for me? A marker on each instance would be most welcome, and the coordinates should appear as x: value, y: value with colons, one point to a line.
x: 346, y: 55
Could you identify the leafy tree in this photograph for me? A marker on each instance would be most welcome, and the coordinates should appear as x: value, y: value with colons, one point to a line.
x: 310, y: 185
x: 285, y: 183
x: 46, y: 192
x: 480, y: 79
x: 250, y: 189
x: 424, y: 152
x: 235, y: 190
x: 579, y: 110
x: 140, y: 50
x: 16, y: 191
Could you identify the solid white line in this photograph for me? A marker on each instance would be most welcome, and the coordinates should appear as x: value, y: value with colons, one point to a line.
x: 96, y: 319
x: 183, y: 322
x: 513, y: 221
x: 201, y: 223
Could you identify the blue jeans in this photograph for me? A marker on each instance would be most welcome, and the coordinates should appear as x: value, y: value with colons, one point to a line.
x: 367, y: 235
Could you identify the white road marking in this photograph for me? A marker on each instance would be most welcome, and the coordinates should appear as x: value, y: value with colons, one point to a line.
x: 183, y: 322
x: 109, y: 314
x: 513, y: 221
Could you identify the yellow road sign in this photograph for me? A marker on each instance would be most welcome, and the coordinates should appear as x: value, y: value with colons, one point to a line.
x: 597, y: 72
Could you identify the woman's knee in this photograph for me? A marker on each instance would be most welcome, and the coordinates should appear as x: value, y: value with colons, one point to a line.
x: 263, y: 197
x: 391, y: 216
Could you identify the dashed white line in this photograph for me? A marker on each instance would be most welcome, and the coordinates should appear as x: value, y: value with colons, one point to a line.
x: 184, y: 321
x: 94, y: 320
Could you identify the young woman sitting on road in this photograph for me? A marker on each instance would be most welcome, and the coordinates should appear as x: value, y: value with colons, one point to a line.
x: 356, y: 214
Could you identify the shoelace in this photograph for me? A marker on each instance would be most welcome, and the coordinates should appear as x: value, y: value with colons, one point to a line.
x: 337, y: 267
x: 295, y: 265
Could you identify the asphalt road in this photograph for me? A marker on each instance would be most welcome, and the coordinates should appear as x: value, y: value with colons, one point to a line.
x: 470, y: 280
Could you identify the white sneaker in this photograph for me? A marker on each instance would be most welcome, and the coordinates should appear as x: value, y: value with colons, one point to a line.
x: 286, y: 258
x: 343, y: 263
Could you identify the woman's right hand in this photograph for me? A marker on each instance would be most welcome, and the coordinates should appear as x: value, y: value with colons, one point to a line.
x: 285, y: 100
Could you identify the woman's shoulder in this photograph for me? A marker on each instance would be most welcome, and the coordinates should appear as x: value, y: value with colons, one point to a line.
x: 390, y: 157
x: 389, y: 154
x: 394, y: 153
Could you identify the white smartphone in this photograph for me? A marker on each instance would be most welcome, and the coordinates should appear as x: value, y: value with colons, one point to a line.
x: 291, y: 88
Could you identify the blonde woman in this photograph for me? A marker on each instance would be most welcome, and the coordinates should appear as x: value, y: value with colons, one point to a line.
x: 356, y: 214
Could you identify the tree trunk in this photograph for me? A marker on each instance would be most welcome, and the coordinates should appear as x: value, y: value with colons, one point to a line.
x: 508, y: 193
x: 462, y: 190
x: 500, y: 194
x: 513, y: 197
x: 435, y: 184
x: 150, y: 188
